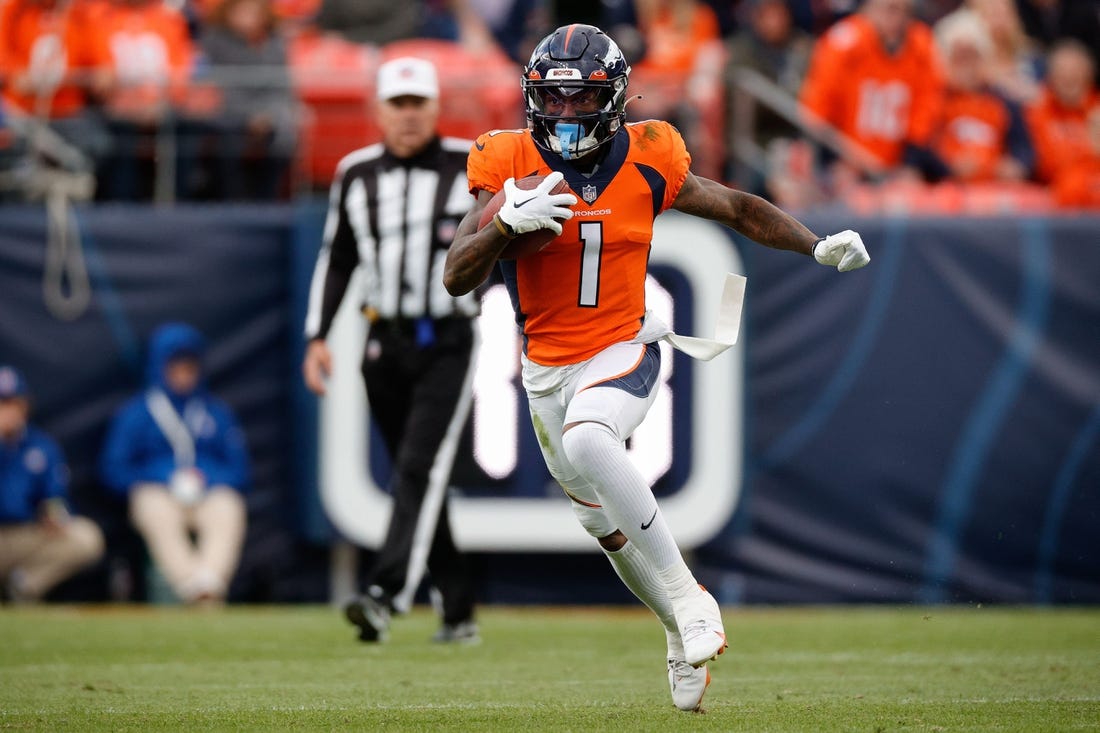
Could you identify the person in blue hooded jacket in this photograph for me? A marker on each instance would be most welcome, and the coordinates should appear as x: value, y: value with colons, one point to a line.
x: 180, y: 457
x: 41, y: 542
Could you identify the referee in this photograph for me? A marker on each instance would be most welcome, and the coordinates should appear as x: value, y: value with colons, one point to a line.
x: 393, y: 210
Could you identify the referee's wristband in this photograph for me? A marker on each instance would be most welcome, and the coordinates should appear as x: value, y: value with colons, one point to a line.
x: 502, y: 227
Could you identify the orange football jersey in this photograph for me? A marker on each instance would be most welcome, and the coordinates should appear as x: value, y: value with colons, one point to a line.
x: 1060, y: 133
x: 881, y: 99
x: 671, y: 45
x: 973, y: 128
x: 147, y: 47
x: 45, y: 42
x: 586, y: 289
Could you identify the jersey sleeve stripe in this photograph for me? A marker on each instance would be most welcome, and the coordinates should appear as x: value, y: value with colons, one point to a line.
x: 656, y: 185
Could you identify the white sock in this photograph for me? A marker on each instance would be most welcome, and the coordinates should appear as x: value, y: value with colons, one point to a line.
x: 601, y: 459
x: 631, y: 567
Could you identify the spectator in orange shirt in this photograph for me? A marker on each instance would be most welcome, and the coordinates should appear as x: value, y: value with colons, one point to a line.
x: 673, y: 30
x: 875, y: 76
x: 980, y: 137
x: 149, y: 54
x: 1060, y: 120
x: 46, y: 65
x: 41, y: 51
x: 1078, y: 187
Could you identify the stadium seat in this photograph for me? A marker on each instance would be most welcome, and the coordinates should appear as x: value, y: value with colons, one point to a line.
x: 335, y: 80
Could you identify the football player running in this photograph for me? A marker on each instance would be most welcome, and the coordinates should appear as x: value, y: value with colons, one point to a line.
x: 591, y: 360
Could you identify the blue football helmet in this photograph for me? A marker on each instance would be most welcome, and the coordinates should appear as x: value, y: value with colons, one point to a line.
x: 575, y: 66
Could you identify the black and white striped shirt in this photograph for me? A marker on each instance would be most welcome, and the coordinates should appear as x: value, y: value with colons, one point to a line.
x: 395, y: 218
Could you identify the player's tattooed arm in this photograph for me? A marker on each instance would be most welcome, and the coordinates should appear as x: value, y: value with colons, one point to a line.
x: 745, y: 213
x: 473, y: 253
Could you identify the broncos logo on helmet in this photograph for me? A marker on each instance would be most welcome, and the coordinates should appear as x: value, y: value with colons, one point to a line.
x: 574, y: 87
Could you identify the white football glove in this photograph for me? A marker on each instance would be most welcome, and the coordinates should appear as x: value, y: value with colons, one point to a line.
x: 526, y: 210
x: 845, y: 250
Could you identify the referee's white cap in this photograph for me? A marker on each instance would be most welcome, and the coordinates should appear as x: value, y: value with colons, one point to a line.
x: 407, y: 76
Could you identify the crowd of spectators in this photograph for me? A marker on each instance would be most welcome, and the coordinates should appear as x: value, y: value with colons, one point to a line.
x: 205, y: 99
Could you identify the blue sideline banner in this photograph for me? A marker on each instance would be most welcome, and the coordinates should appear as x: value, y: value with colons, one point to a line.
x: 924, y: 430
x: 927, y: 428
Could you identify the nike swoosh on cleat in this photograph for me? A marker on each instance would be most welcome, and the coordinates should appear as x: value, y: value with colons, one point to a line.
x: 646, y: 525
x: 522, y: 203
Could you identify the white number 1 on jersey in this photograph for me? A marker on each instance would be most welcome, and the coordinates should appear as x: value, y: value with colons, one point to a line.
x: 592, y: 238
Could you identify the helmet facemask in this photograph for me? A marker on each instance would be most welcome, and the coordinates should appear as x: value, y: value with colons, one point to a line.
x: 574, y: 119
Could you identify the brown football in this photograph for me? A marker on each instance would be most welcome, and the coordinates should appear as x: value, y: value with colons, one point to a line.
x: 524, y: 244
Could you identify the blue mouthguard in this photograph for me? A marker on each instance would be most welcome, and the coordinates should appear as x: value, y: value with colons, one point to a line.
x: 569, y: 133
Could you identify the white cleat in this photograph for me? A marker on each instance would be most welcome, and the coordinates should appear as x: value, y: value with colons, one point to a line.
x: 688, y: 685
x: 700, y: 623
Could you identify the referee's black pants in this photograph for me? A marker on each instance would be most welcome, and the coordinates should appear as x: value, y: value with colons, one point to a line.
x: 418, y: 391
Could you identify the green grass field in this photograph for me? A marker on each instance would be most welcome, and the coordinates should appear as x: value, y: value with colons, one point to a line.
x: 567, y: 669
